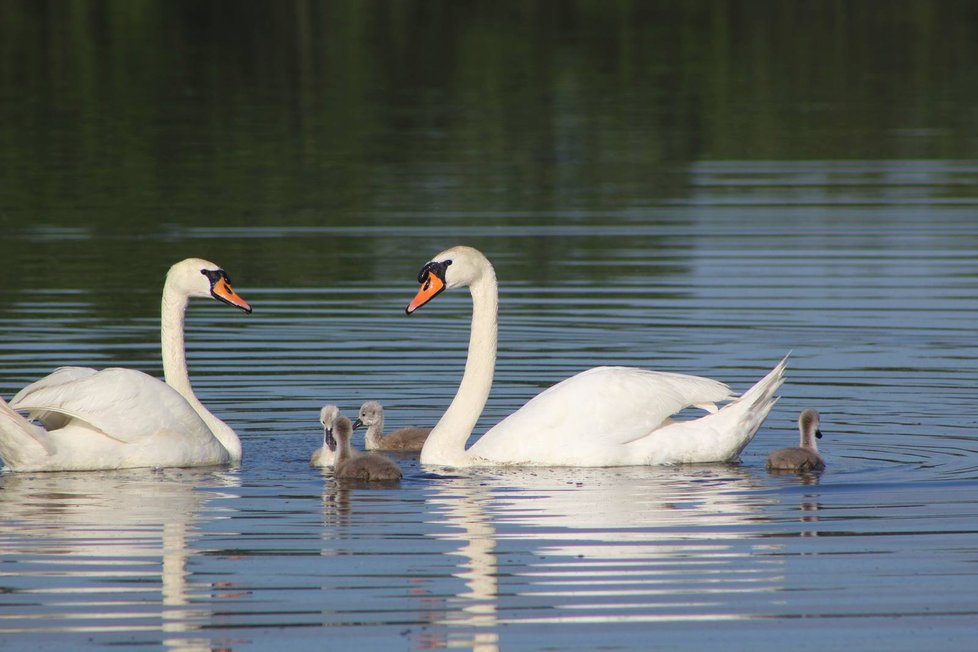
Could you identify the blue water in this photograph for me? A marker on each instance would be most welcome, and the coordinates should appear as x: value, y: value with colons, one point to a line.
x: 878, y: 316
x: 690, y: 187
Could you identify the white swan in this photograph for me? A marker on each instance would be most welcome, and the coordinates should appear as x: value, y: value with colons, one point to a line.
x: 605, y: 416
x: 82, y: 419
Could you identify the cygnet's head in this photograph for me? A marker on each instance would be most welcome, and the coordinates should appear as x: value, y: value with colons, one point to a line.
x: 327, y: 417
x: 342, y: 431
x: 808, y: 425
x: 371, y: 412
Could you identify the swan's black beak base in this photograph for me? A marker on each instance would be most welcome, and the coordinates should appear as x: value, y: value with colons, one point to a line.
x: 222, y: 291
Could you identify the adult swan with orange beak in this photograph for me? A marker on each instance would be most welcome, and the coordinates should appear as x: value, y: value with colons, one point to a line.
x: 604, y: 416
x: 80, y: 419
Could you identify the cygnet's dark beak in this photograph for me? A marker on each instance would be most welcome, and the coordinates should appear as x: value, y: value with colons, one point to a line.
x: 330, y: 440
x: 357, y: 424
x: 818, y: 434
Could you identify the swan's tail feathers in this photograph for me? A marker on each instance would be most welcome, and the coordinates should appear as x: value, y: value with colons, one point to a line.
x: 746, y: 414
x: 21, y: 442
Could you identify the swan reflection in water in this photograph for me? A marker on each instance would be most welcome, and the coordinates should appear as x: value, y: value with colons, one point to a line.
x: 110, y: 538
x: 600, y: 545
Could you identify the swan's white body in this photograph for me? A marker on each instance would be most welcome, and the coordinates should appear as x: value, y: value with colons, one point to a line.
x: 80, y: 419
x: 605, y: 416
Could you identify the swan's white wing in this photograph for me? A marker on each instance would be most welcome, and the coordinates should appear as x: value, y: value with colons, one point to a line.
x: 52, y: 420
x: 59, y: 376
x: 594, y: 411
x: 124, y: 404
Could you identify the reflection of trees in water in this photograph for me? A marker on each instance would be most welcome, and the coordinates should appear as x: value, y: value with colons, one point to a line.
x: 554, y: 109
x: 110, y: 536
x: 644, y: 539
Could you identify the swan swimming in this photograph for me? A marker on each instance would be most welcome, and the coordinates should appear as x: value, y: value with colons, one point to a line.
x: 605, y: 416
x: 353, y: 465
x: 401, y: 439
x: 804, y: 457
x: 81, y: 419
x: 325, y: 455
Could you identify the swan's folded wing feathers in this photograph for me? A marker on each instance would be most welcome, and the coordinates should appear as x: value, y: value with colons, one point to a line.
x: 107, y: 399
x: 51, y: 419
x: 614, y: 405
x: 60, y: 376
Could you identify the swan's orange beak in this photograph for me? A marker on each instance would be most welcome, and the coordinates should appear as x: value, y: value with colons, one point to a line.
x: 430, y: 288
x: 223, y: 291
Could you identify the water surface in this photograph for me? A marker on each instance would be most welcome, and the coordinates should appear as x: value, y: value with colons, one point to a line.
x: 655, y: 185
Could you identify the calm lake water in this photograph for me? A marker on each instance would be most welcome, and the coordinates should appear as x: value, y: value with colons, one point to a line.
x: 681, y: 186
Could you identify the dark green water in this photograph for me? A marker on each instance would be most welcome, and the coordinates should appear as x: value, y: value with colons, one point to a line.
x: 128, y: 124
x: 687, y: 186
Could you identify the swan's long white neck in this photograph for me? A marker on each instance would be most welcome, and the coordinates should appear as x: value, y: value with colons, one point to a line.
x: 445, y: 445
x: 175, y: 372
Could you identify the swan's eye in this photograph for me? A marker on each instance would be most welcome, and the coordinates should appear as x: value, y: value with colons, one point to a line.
x: 214, y: 275
x: 434, y: 267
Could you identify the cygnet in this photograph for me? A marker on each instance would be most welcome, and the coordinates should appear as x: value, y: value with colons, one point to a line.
x: 402, y: 439
x: 805, y: 457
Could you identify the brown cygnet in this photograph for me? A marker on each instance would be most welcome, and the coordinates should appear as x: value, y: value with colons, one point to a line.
x: 402, y: 439
x: 805, y: 457
x: 369, y: 467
